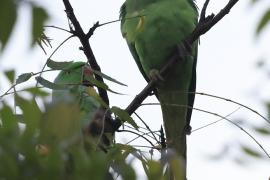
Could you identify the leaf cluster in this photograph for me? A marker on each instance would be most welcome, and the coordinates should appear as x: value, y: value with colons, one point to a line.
x: 9, y: 14
x: 29, y: 150
x: 264, y: 20
x: 49, y: 143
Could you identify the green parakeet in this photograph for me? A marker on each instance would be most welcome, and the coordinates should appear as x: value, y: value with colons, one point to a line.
x: 73, y: 78
x: 72, y: 109
x: 152, y: 29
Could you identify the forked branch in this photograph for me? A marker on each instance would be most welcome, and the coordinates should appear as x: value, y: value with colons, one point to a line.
x: 84, y: 39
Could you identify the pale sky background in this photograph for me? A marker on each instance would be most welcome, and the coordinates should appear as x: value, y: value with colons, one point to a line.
x: 226, y: 67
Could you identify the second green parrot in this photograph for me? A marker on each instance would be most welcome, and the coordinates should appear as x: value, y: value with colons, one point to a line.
x: 153, y: 29
x: 75, y: 110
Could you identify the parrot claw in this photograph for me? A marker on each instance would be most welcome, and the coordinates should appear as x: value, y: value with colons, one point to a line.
x: 155, y: 75
x: 188, y: 130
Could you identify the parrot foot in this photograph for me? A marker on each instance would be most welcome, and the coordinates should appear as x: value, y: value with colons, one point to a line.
x: 188, y: 130
x: 155, y: 75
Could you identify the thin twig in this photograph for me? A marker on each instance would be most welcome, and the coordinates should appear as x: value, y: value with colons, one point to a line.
x: 117, y: 20
x: 215, y: 114
x: 17, y: 91
x: 137, y: 135
x: 145, y: 133
x: 142, y: 146
x: 147, y: 127
x: 221, y: 119
x: 208, y: 22
x: 59, y: 28
x: 232, y: 101
x: 203, y: 12
x: 7, y: 92
x: 131, y: 127
x: 14, y: 85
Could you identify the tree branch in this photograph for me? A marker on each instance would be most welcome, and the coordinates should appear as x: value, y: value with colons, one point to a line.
x: 84, y: 39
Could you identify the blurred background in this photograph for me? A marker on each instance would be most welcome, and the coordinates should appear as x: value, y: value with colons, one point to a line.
x: 233, y: 63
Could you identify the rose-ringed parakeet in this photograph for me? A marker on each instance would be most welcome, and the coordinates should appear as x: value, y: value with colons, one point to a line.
x: 153, y: 29
x: 75, y: 110
x: 77, y: 90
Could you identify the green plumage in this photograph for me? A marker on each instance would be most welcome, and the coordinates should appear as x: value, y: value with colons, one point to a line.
x: 152, y: 29
x: 72, y: 109
x: 76, y: 92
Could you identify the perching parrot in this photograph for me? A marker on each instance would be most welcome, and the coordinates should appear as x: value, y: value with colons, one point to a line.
x: 152, y: 29
x: 73, y: 109
x: 73, y: 78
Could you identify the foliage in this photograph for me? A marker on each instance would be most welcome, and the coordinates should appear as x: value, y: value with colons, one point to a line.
x: 9, y: 14
x: 264, y: 20
x: 48, y: 143
x: 260, y: 130
x: 23, y: 156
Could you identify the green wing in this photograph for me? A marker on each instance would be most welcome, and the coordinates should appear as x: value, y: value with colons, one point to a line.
x: 191, y: 96
x: 192, y: 86
x: 131, y: 45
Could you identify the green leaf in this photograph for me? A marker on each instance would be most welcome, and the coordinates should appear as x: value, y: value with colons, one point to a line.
x: 9, y: 168
x: 267, y: 104
x: 119, y: 164
x: 253, y: 1
x: 176, y: 165
x: 37, y: 91
x: 59, y: 65
x: 108, y: 77
x: 10, y: 74
x: 99, y: 84
x: 251, y: 152
x: 263, y: 22
x: 92, y: 165
x: 96, y: 83
x: 262, y: 130
x: 23, y: 77
x: 31, y: 114
x: 154, y: 170
x: 39, y: 18
x: 127, y: 149
x: 127, y: 172
x: 44, y: 40
x: 8, y: 119
x: 124, y: 116
x: 8, y: 16
x: 61, y: 123
x: 49, y: 84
